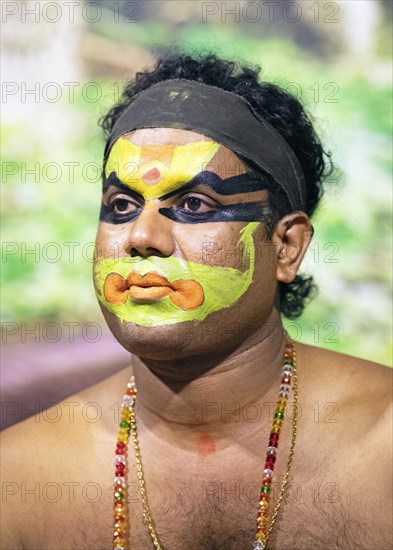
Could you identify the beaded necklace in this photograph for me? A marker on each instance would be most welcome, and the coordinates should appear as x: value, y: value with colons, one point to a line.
x: 128, y: 425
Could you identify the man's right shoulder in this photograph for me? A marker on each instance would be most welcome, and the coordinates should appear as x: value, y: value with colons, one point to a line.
x: 26, y: 458
x: 43, y: 450
x: 34, y: 454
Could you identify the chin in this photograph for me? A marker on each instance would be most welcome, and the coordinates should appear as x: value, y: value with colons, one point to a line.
x: 169, y: 342
x: 157, y: 343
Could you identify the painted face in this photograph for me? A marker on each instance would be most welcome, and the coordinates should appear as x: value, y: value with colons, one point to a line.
x: 163, y: 291
x: 162, y: 171
x: 179, y: 218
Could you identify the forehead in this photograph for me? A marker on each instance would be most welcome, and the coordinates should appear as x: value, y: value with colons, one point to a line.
x: 224, y: 162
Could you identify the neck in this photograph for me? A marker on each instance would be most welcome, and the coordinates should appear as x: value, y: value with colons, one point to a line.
x: 217, y: 398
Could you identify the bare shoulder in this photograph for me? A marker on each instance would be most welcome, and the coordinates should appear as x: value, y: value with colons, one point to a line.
x: 74, y: 414
x: 344, y: 375
x: 361, y: 389
x: 40, y: 456
x: 341, y: 360
x: 347, y: 409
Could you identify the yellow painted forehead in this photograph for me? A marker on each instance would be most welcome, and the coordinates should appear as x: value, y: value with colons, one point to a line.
x: 154, y: 170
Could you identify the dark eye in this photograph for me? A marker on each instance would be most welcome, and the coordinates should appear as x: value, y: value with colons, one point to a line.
x: 195, y: 204
x: 122, y: 206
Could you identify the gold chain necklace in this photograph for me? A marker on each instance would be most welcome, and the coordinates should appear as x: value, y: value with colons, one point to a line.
x: 128, y: 425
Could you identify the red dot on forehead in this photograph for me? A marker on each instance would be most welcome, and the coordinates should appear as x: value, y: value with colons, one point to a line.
x: 152, y: 176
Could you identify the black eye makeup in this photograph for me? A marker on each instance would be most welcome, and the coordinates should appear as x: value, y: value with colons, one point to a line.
x: 122, y: 205
x: 195, y: 202
x: 118, y: 213
x: 189, y: 206
x: 208, y: 211
x: 235, y: 185
x: 240, y: 212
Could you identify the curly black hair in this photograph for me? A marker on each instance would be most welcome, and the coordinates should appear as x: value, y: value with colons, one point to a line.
x: 282, y: 110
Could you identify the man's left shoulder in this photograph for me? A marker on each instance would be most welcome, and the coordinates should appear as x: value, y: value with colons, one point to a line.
x: 346, y: 375
x: 353, y: 398
x: 347, y: 409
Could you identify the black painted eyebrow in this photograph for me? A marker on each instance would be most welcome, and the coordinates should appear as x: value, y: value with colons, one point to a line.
x: 113, y: 179
x: 235, y: 185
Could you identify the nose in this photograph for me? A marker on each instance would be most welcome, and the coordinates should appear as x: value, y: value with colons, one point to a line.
x: 150, y: 234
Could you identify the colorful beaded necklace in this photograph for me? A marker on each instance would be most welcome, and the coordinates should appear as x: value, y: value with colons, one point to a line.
x: 128, y: 425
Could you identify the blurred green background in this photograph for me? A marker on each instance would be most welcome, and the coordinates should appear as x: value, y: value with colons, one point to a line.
x: 62, y: 75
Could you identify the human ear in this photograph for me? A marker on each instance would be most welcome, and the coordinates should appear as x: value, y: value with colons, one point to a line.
x: 291, y: 238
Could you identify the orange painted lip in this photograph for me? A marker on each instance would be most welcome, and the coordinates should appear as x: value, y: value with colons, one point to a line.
x: 152, y: 287
x: 148, y: 293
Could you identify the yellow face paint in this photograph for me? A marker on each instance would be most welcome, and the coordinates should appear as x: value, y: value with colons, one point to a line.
x: 138, y: 166
x: 214, y: 288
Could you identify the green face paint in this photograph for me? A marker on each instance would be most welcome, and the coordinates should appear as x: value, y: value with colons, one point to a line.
x: 222, y: 286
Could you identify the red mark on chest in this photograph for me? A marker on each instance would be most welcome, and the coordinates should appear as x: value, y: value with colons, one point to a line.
x: 205, y: 445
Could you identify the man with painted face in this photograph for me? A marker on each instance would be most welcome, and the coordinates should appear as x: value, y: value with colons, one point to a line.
x: 226, y: 435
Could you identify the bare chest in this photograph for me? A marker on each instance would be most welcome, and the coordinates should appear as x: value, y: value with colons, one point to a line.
x: 209, y: 505
x: 206, y: 514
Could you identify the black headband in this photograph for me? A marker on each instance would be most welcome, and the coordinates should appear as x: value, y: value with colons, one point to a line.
x: 223, y: 116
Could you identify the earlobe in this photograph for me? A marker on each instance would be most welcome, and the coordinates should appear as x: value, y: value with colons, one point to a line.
x: 291, y: 239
